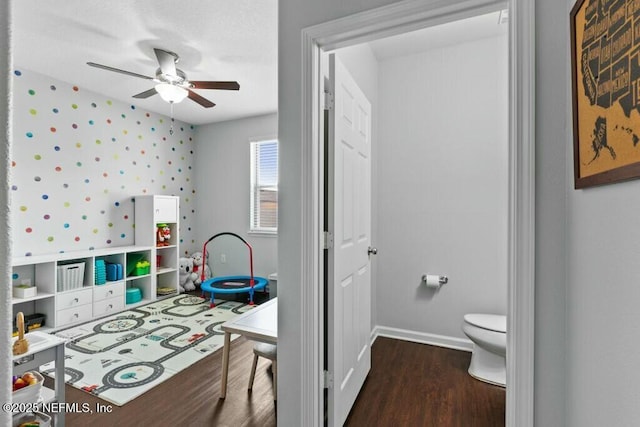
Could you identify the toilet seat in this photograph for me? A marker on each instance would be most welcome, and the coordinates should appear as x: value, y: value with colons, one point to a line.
x: 491, y: 322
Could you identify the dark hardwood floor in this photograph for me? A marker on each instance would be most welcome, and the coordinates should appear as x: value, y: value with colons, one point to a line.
x: 191, y: 398
x: 409, y: 385
x: 419, y: 385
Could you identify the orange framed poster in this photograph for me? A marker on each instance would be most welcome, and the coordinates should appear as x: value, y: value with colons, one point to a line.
x: 605, y: 69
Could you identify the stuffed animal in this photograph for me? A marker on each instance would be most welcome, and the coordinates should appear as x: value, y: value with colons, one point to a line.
x: 199, y: 265
x: 164, y: 234
x: 187, y: 276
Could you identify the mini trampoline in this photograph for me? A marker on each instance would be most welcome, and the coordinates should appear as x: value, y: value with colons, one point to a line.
x: 231, y: 284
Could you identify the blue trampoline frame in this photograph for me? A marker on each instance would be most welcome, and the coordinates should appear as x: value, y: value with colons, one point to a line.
x: 209, y: 285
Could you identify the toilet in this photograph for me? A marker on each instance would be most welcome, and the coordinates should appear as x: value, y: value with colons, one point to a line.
x: 488, y: 332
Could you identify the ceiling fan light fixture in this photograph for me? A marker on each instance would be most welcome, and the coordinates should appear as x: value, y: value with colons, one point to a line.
x: 171, y: 93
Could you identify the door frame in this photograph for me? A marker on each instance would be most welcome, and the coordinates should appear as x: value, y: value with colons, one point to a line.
x: 391, y: 20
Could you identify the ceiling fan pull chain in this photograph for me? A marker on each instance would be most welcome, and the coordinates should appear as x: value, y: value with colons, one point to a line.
x: 171, y: 127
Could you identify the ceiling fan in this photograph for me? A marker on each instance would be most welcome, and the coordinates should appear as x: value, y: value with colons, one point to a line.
x: 171, y: 83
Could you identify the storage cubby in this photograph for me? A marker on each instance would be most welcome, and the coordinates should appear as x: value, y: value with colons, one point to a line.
x: 114, y: 268
x: 165, y: 257
x: 41, y: 276
x: 34, y: 309
x: 139, y: 286
x: 74, y: 274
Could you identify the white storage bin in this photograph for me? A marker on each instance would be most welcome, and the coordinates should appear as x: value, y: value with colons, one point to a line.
x: 70, y: 276
x: 30, y: 393
x: 43, y: 420
x: 29, y: 292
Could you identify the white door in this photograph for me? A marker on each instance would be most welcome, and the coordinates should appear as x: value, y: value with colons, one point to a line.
x: 349, y: 220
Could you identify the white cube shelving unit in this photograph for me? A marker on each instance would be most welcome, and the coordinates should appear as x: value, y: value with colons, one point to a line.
x: 63, y: 306
x: 84, y: 300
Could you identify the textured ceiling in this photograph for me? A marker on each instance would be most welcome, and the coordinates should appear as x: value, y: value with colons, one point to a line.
x: 215, y: 39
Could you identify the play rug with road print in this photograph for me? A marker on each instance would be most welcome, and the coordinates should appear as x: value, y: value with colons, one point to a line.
x: 121, y: 357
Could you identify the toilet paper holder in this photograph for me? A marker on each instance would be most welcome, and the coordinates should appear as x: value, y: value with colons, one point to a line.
x: 442, y: 280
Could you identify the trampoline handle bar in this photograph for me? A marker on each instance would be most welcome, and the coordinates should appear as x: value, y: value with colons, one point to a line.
x: 228, y: 233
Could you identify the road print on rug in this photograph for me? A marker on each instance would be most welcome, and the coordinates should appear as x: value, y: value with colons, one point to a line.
x: 123, y: 356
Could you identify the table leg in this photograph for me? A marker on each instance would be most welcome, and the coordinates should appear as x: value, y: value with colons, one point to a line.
x: 225, y: 365
x: 59, y: 383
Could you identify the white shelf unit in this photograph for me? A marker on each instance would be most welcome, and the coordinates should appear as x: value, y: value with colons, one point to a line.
x: 63, y: 307
x: 89, y: 300
x: 151, y: 211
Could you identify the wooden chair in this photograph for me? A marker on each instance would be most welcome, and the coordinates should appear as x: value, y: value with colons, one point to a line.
x: 268, y: 351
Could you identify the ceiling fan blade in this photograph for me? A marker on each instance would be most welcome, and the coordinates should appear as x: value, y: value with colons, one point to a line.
x: 215, y: 85
x: 146, y: 94
x: 167, y: 62
x: 117, y: 70
x: 200, y: 100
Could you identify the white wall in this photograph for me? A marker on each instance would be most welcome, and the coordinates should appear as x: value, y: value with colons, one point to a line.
x: 603, y: 286
x: 222, y: 163
x: 442, y: 186
x: 77, y: 169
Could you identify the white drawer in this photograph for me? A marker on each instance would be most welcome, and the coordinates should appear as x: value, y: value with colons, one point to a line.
x: 102, y: 292
x: 166, y: 209
x: 67, y: 316
x: 74, y: 299
x: 108, y: 306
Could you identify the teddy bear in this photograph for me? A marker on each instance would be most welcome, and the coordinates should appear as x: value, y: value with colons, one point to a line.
x: 199, y: 265
x: 187, y: 276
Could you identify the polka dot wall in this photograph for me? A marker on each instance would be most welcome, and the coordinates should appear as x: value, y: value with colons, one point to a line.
x: 78, y: 161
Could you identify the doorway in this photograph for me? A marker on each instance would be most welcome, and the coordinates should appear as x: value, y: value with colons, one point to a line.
x: 403, y: 18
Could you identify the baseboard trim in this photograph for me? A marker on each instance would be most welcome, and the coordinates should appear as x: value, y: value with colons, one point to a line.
x: 421, y: 337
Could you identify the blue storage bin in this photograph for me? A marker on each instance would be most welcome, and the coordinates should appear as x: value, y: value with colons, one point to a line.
x: 114, y: 272
x: 100, y: 272
x: 134, y: 295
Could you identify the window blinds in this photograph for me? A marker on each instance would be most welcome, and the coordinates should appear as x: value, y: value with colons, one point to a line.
x: 264, y: 186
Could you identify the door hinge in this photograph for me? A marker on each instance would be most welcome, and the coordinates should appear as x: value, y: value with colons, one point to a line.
x: 328, y: 100
x: 327, y: 240
x: 327, y: 378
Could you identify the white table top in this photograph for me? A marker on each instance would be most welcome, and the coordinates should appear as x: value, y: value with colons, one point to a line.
x: 38, y: 341
x: 259, y: 324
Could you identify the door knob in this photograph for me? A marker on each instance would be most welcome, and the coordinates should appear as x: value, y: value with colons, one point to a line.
x: 372, y: 251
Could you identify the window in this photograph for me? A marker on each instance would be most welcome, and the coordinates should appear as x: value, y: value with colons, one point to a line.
x: 264, y: 187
